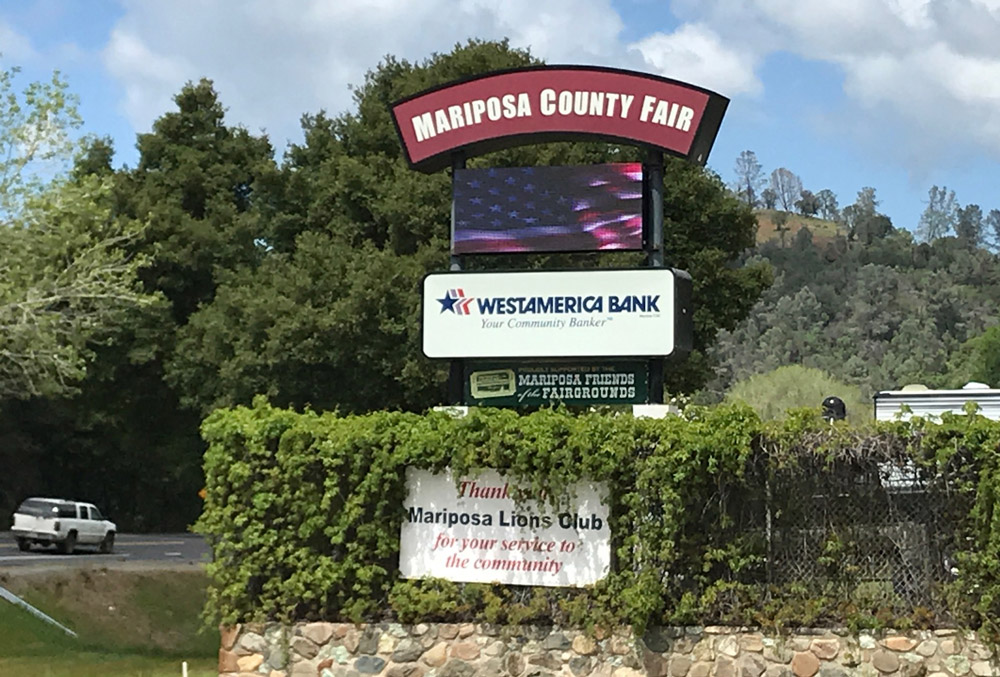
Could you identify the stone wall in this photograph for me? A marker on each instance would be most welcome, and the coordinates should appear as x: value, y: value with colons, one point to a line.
x: 467, y: 650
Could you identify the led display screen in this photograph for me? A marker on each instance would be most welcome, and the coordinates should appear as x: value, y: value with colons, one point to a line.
x: 548, y: 209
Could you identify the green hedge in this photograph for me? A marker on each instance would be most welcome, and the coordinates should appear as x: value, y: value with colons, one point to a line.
x: 304, y: 512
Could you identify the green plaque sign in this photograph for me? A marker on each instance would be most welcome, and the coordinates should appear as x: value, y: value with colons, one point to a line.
x: 535, y: 384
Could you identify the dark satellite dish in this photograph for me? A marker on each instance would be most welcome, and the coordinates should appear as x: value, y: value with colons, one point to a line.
x: 834, y: 409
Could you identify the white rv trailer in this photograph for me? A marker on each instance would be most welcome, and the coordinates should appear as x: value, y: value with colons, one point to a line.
x: 917, y: 400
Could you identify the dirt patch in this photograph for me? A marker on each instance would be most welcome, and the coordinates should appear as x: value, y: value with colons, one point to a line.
x: 129, y: 605
x: 822, y: 231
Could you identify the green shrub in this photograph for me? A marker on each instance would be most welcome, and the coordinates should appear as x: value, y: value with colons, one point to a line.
x: 304, y: 513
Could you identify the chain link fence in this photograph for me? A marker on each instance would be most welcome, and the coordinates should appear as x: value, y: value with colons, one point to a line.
x: 874, y: 533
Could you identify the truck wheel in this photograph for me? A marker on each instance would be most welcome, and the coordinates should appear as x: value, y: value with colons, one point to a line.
x: 23, y: 544
x: 69, y: 545
x: 108, y: 544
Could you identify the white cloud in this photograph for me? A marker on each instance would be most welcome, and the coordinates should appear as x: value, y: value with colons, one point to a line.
x: 930, y: 69
x: 272, y: 62
x: 566, y: 31
x: 927, y: 68
x: 14, y: 47
x: 694, y: 53
x: 151, y: 77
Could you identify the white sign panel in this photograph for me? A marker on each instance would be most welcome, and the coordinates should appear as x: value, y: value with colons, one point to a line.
x: 475, y: 533
x: 587, y: 313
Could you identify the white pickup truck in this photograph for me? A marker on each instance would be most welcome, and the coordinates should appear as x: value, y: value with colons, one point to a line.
x: 65, y: 524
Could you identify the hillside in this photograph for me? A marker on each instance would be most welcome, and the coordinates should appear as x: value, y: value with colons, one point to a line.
x: 874, y: 314
x: 823, y: 231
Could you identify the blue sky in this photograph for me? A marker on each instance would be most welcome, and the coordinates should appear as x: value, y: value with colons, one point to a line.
x: 899, y: 95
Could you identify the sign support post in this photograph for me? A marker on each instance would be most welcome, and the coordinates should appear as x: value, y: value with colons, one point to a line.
x: 654, y: 174
x: 456, y: 372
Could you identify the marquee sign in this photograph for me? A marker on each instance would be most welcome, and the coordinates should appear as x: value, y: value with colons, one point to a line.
x: 516, y: 210
x: 557, y: 103
x: 544, y: 314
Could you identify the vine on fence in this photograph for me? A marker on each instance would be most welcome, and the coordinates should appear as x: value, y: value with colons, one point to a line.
x: 711, y: 512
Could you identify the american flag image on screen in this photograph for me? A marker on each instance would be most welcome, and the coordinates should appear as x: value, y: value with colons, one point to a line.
x: 548, y: 209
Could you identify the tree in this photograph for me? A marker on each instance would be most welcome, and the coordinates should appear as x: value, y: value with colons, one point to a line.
x: 68, y: 280
x: 803, y: 240
x: 852, y: 217
x: 196, y: 183
x: 828, y: 207
x: 793, y: 386
x: 749, y: 178
x: 992, y: 228
x: 781, y: 226
x: 346, y: 340
x: 769, y: 198
x: 200, y: 183
x: 65, y: 271
x: 35, y: 140
x: 978, y: 359
x: 940, y: 215
x: 969, y: 226
x: 787, y: 186
x: 865, y: 224
x: 871, y: 228
x: 807, y: 204
x: 866, y: 202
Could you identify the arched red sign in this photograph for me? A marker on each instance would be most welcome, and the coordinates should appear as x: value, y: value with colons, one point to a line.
x: 557, y: 103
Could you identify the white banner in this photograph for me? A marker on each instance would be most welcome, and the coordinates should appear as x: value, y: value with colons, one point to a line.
x: 476, y: 534
x: 588, y: 313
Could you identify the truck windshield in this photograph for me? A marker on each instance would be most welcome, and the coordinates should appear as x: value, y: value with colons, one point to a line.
x: 37, y: 507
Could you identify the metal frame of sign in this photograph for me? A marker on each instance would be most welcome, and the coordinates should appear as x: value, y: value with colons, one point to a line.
x: 435, y: 113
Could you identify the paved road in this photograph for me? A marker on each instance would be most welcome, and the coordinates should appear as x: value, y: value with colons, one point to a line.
x: 144, y: 548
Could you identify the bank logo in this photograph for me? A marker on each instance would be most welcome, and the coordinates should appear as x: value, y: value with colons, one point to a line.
x: 457, y: 302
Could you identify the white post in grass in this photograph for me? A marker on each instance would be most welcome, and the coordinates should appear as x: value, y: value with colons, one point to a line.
x: 184, y: 669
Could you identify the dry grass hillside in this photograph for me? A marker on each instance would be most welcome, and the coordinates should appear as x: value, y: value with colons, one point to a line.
x: 823, y: 231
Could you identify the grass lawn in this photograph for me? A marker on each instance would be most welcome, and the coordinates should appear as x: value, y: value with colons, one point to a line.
x: 128, y: 624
